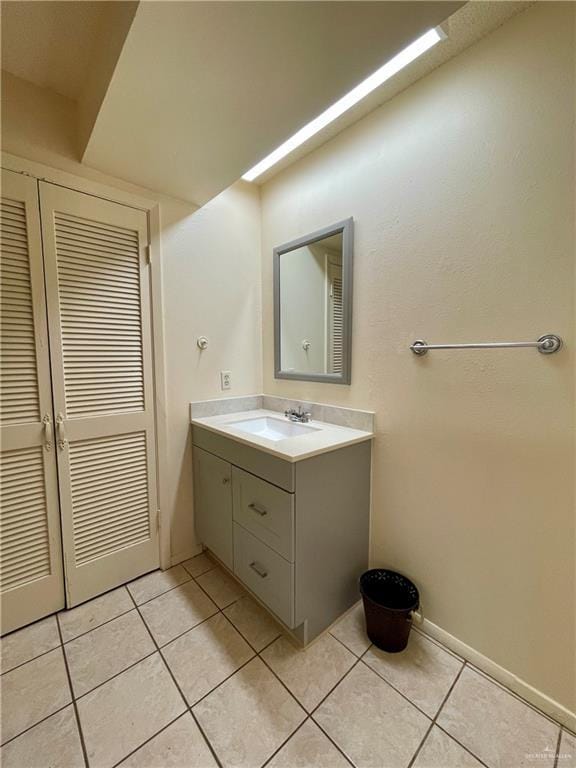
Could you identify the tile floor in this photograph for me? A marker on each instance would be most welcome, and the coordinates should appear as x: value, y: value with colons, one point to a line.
x: 182, y: 669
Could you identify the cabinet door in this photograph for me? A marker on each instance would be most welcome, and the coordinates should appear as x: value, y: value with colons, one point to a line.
x: 32, y: 583
x: 98, y: 290
x: 213, y: 504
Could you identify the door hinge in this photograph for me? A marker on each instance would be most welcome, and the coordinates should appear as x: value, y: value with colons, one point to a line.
x: 148, y: 250
x: 157, y: 521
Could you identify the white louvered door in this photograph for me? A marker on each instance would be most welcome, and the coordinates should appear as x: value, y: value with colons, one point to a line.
x: 100, y: 334
x: 31, y: 576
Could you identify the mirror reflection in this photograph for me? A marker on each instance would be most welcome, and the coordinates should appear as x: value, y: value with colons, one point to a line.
x: 311, y: 307
x: 313, y: 295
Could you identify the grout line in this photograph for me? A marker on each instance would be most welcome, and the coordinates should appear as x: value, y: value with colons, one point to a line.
x: 6, y: 635
x: 323, y: 699
x: 188, y: 707
x: 358, y: 656
x: 437, y: 724
x: 115, y: 675
x: 331, y: 740
x: 557, y: 757
x: 76, y: 714
x: 87, y: 632
x: 398, y: 691
x: 433, y: 723
x: 419, y: 748
x: 286, y: 740
x: 185, y: 632
x: 221, y: 683
x: 512, y: 693
x: 23, y: 663
x: 243, y: 636
x: 206, y: 739
x: 198, y: 574
x: 30, y: 727
x: 150, y: 739
x: 309, y: 715
x: 464, y: 747
x: 220, y: 607
x: 160, y: 594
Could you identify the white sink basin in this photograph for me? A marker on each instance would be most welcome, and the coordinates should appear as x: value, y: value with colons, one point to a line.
x: 271, y: 428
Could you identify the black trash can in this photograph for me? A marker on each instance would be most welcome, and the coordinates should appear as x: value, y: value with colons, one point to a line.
x: 389, y: 599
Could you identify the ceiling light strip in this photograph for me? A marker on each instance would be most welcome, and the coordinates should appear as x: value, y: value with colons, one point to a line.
x: 388, y: 70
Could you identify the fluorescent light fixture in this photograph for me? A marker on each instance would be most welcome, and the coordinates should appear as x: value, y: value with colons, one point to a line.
x: 388, y: 70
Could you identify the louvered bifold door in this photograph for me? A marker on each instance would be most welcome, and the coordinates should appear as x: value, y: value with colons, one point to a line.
x: 100, y: 336
x: 31, y: 579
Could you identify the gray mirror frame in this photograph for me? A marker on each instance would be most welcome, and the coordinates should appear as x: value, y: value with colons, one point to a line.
x: 347, y: 229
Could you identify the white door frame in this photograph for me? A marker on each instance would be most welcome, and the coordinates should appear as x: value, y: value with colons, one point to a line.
x: 152, y: 207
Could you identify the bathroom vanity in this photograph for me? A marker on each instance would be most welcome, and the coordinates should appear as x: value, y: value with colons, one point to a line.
x: 285, y: 507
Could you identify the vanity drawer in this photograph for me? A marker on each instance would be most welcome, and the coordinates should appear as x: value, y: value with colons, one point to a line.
x: 264, y: 510
x: 266, y: 573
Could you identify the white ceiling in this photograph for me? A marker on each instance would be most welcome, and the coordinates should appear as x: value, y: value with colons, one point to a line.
x: 50, y: 43
x: 203, y: 90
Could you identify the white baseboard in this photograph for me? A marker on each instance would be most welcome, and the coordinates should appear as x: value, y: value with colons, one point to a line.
x: 523, y: 689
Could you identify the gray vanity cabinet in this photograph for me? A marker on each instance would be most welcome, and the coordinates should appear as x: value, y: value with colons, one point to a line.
x: 213, y: 504
x: 294, y: 533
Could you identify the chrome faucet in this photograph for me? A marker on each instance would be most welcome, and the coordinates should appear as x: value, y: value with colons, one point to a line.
x: 298, y: 415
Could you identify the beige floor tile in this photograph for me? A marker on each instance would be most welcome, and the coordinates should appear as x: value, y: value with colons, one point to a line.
x: 351, y: 630
x: 312, y: 672
x: 32, y: 692
x: 90, y: 615
x: 309, y: 748
x: 181, y: 745
x: 423, y: 672
x: 567, y: 751
x: 198, y: 565
x: 176, y: 611
x: 370, y: 722
x: 154, y: 584
x: 440, y: 751
x: 55, y: 742
x: 221, y: 587
x: 493, y: 724
x: 97, y: 656
x: 248, y: 717
x: 25, y: 644
x: 120, y: 715
x: 205, y: 656
x: 253, y: 622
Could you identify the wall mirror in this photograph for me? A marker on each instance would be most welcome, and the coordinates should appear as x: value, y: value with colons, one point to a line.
x: 313, y: 306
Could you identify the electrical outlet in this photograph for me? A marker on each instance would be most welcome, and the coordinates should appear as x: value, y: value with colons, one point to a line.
x: 225, y: 379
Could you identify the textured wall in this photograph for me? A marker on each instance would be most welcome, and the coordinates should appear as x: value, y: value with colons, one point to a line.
x: 462, y: 191
x: 211, y: 268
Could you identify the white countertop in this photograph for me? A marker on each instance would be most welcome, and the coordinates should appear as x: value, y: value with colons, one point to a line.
x: 326, y: 437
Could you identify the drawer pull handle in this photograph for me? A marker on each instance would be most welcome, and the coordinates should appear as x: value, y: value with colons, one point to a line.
x: 259, y: 570
x: 259, y: 510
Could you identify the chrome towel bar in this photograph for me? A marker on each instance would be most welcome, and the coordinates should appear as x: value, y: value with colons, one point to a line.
x: 547, y: 344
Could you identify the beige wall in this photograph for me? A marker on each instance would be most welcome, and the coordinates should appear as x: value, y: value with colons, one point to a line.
x: 462, y: 191
x: 212, y: 289
x: 211, y: 275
